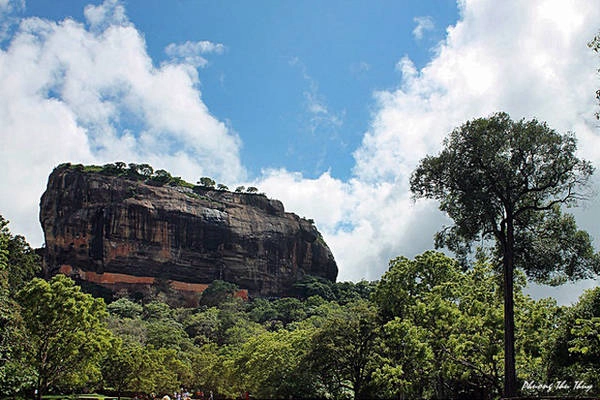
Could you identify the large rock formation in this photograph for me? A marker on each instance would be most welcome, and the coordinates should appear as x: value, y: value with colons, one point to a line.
x: 118, y: 232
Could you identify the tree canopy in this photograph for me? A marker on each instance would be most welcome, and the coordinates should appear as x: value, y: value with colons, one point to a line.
x: 506, y: 182
x: 67, y: 331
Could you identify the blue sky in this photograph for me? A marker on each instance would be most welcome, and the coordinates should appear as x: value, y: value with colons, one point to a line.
x: 325, y: 105
x: 296, y: 76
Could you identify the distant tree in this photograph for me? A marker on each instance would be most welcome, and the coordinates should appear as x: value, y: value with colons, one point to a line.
x: 67, y: 330
x: 206, y: 182
x: 146, y: 170
x: 204, y: 327
x: 134, y: 169
x: 22, y: 263
x: 251, y: 189
x: 314, y: 286
x: 120, y: 166
x: 161, y: 176
x: 110, y: 169
x: 505, y: 181
x: 240, y: 189
x: 125, y: 308
x: 218, y: 292
x: 222, y: 187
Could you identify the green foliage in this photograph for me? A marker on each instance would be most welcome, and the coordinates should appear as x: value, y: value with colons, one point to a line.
x: 505, y: 181
x: 443, y: 337
x: 67, y: 332
x: 342, y: 351
x: 270, y: 365
x: 204, y: 327
x: 218, y: 292
x: 136, y: 172
x: 19, y: 260
x: 574, y: 351
x: 15, y: 373
x: 206, y: 182
x: 408, y: 281
x: 122, y: 365
x: 496, y: 178
x: 125, y: 308
x: 430, y: 328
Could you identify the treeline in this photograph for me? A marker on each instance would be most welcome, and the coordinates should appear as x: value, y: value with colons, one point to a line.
x: 159, y: 177
x: 428, y: 329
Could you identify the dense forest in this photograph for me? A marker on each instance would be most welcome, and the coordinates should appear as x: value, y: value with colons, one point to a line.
x: 428, y: 329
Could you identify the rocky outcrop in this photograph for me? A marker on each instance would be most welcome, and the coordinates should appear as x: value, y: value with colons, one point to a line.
x: 115, y: 232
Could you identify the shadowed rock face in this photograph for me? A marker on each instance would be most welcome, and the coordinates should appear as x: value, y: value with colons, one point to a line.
x: 113, y: 226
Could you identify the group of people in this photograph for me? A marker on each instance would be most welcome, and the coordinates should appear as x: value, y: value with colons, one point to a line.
x: 185, y: 395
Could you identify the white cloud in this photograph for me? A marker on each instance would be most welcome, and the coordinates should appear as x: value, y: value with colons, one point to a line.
x: 110, y: 12
x: 321, y: 118
x: 7, y: 18
x: 93, y: 96
x: 192, y: 52
x: 423, y: 24
x: 527, y: 58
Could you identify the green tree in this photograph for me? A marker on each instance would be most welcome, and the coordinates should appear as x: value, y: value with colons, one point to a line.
x: 574, y: 352
x: 218, y: 292
x: 121, y: 367
x: 206, y: 182
x: 269, y: 365
x: 146, y: 170
x: 406, y: 361
x: 342, y: 352
x: 504, y: 181
x: 23, y: 263
x: 125, y: 308
x: 161, y: 177
x: 67, y: 329
x: 15, y: 373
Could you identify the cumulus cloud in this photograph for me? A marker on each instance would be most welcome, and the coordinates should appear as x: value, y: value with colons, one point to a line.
x: 526, y: 58
x: 192, y: 52
x: 110, y: 12
x: 8, y: 8
x: 423, y: 24
x: 91, y: 94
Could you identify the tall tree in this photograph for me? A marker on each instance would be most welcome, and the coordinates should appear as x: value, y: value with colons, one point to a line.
x: 67, y: 330
x: 342, y: 353
x: 17, y: 263
x: 505, y: 181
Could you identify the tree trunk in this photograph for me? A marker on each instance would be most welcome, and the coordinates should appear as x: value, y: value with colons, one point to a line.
x: 510, y: 375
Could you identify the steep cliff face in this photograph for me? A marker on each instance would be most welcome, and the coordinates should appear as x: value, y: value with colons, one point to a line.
x: 116, y: 232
